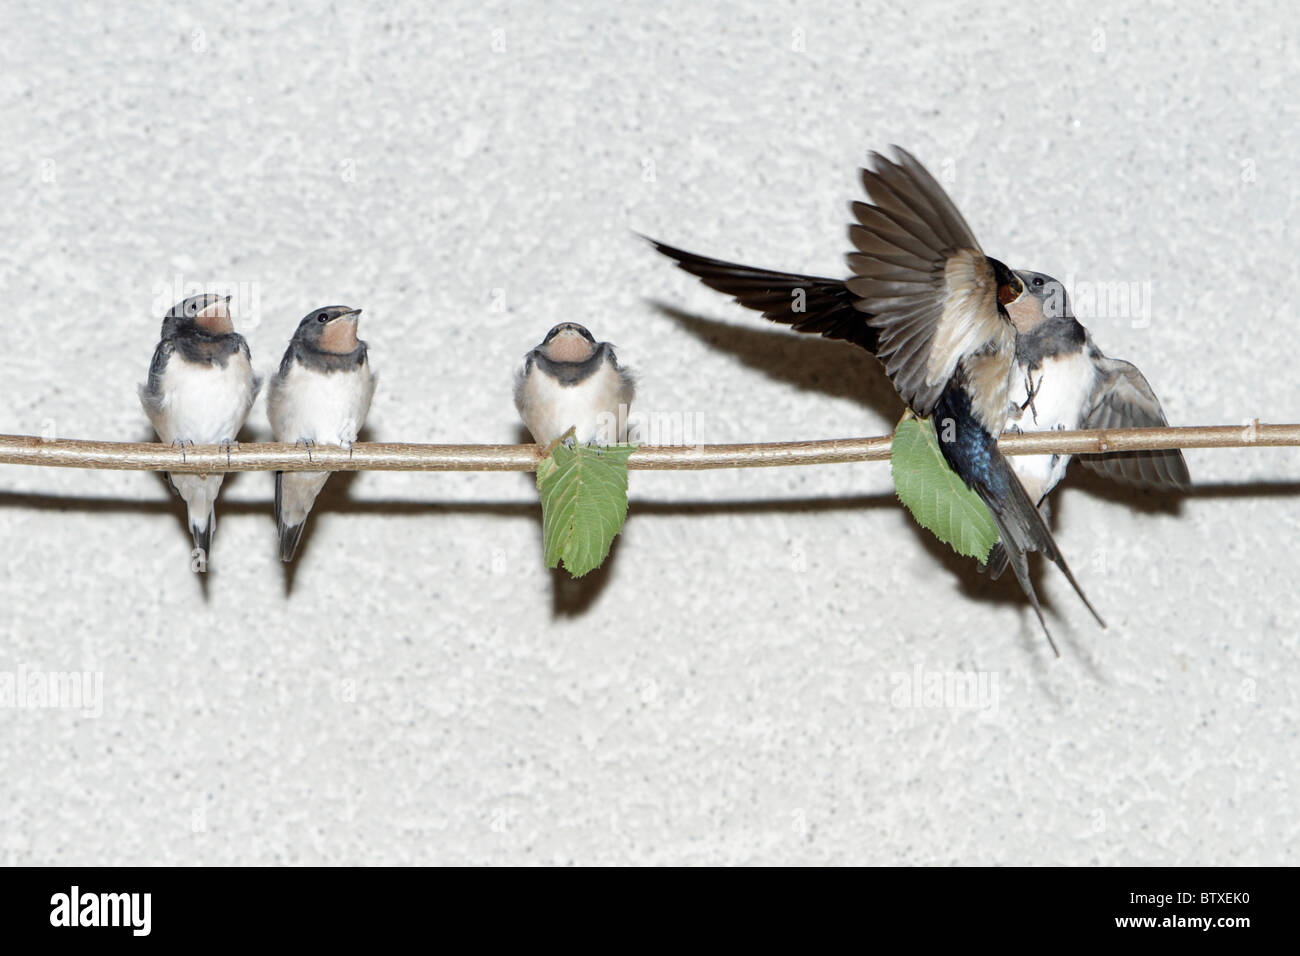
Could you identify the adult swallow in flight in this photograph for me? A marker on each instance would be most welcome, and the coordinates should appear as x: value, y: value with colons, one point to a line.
x: 321, y: 394
x: 935, y: 311
x: 200, y: 388
x: 572, y: 381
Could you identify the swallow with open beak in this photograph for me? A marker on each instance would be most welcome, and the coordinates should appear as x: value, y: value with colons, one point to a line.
x: 1084, y: 390
x: 934, y: 309
x: 321, y: 394
x: 200, y: 388
x: 945, y: 315
x: 572, y: 381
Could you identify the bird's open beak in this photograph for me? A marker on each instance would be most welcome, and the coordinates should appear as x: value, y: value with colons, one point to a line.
x: 1024, y: 310
x: 1010, y: 291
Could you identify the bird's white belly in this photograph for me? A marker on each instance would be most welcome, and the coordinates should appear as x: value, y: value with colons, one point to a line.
x: 325, y: 407
x: 204, y: 403
x: 1064, y: 388
x: 590, y: 407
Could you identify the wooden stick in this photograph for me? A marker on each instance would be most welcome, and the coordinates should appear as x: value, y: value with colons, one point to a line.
x: 385, y: 456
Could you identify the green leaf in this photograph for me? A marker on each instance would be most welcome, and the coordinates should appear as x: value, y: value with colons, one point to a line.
x: 938, y: 499
x: 584, y: 503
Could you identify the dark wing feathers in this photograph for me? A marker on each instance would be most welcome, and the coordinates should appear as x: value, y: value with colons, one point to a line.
x: 905, y: 239
x: 157, y: 366
x: 925, y: 188
x: 824, y: 308
x: 1124, y: 399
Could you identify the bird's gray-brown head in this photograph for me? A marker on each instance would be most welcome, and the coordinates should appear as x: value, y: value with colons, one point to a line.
x: 1043, y: 299
x: 208, y: 312
x: 331, y: 329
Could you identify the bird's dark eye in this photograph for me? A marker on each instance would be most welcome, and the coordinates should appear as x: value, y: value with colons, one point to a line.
x: 323, y: 317
x: 1038, y: 282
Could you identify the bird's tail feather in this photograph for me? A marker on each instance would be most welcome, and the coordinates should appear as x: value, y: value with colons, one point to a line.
x: 996, y: 564
x: 1016, y: 557
x: 279, y: 494
x: 294, y: 495
x: 199, y: 492
x: 290, y: 535
x: 1022, y: 529
x: 289, y: 538
x: 203, y: 535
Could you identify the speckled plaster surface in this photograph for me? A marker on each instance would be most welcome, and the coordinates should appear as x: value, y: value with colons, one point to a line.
x: 735, y: 686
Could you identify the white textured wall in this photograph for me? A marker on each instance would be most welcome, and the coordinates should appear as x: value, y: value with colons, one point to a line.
x: 727, y: 691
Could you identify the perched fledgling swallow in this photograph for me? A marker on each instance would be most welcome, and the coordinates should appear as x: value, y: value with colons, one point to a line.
x: 1062, y: 381
x: 1085, y: 389
x: 572, y: 381
x: 934, y: 309
x: 321, y: 394
x: 200, y: 388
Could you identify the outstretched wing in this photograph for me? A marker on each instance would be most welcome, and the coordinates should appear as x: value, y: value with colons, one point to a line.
x: 1123, y: 399
x: 805, y: 303
x: 920, y: 274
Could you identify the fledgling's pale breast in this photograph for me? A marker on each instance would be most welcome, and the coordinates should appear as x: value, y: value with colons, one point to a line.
x: 307, y: 404
x: 591, y: 407
x: 203, y: 403
x: 1063, y: 387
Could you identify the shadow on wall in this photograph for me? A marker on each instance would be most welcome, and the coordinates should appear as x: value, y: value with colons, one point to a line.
x: 838, y: 369
x: 573, y: 597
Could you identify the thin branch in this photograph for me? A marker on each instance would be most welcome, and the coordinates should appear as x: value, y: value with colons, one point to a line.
x: 383, y: 456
